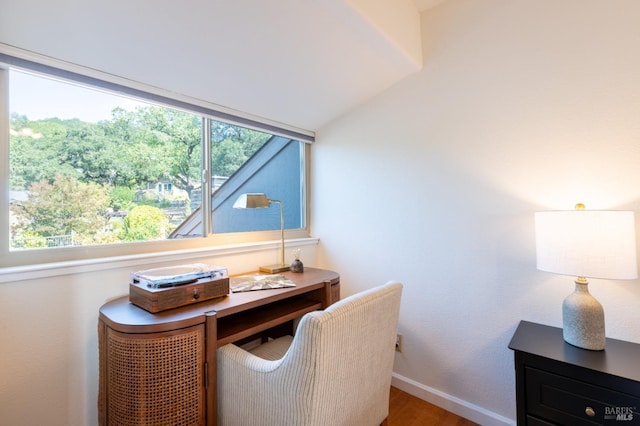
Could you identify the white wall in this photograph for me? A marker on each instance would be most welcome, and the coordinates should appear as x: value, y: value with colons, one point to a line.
x: 521, y: 106
x: 48, y: 332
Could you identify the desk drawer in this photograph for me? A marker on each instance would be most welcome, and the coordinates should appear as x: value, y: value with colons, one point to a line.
x: 565, y: 401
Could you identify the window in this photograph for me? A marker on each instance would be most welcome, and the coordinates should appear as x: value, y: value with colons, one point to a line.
x: 94, y: 164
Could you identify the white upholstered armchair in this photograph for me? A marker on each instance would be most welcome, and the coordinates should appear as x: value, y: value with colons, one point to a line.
x: 335, y: 371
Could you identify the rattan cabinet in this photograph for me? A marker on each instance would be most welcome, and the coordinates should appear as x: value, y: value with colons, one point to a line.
x: 160, y: 369
x: 154, y: 378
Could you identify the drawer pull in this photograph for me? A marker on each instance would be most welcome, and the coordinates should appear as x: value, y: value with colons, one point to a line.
x: 589, y: 412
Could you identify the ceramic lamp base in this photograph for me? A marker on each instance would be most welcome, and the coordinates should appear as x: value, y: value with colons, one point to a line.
x: 583, y: 319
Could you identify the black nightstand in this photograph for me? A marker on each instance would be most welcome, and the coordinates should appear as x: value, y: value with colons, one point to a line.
x: 560, y: 384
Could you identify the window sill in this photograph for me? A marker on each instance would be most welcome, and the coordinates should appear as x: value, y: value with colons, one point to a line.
x: 45, y: 270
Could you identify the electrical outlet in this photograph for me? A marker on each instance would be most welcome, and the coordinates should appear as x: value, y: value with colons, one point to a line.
x: 399, y: 342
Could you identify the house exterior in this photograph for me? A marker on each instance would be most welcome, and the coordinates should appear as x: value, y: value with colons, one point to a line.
x: 268, y: 168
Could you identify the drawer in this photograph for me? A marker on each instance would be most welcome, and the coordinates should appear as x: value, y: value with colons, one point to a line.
x: 566, y: 401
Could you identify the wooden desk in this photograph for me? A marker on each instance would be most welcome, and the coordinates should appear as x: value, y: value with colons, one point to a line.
x: 161, y: 368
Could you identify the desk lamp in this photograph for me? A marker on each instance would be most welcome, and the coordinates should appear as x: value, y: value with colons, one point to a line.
x: 586, y: 244
x: 257, y: 200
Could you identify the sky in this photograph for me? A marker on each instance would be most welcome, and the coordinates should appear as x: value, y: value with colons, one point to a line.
x: 40, y: 98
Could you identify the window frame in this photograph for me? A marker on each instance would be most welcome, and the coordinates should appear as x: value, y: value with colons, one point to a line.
x: 29, y: 62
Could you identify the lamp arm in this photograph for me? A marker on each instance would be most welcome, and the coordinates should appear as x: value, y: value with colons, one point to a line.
x: 281, y: 230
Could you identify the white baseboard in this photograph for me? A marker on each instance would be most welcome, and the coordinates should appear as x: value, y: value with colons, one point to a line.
x: 450, y: 403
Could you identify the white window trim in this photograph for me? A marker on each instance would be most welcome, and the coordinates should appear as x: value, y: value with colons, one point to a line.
x: 48, y: 270
x: 24, y: 260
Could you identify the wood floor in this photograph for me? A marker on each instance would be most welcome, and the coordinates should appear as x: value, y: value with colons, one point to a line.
x: 407, y: 410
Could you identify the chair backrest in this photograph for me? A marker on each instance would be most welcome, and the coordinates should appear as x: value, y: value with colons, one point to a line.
x: 345, y: 356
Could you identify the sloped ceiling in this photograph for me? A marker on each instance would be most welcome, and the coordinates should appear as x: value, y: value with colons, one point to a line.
x: 297, y: 62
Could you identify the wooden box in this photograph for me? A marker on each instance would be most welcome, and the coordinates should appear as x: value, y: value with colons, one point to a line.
x: 161, y: 299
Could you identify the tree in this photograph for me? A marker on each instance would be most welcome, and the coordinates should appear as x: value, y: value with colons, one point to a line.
x: 69, y: 165
x: 232, y: 146
x: 227, y: 157
x: 122, y: 198
x: 179, y: 133
x: 145, y: 223
x: 140, y: 155
x: 64, y: 207
x: 35, y: 152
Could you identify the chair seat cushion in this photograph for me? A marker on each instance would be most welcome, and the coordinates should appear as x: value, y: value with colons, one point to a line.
x: 273, y: 349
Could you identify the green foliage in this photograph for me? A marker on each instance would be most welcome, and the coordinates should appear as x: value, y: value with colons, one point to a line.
x: 35, y: 157
x: 76, y: 171
x: 122, y: 198
x: 64, y: 207
x: 30, y: 240
x: 146, y: 198
x: 233, y: 146
x: 145, y: 223
x: 227, y: 158
x: 133, y: 149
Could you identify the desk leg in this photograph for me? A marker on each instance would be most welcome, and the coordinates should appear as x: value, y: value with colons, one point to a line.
x: 211, y: 370
x: 326, y: 295
x: 331, y: 293
x: 335, y: 291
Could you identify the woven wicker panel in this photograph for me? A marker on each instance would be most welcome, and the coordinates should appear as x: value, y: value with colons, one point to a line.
x: 102, y: 368
x: 156, y: 379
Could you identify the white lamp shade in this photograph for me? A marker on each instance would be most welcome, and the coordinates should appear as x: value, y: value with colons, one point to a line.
x: 587, y: 243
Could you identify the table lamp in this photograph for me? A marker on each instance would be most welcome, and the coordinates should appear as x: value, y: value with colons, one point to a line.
x: 258, y: 200
x: 586, y: 244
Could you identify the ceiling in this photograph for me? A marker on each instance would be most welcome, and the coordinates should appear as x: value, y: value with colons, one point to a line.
x: 297, y: 62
